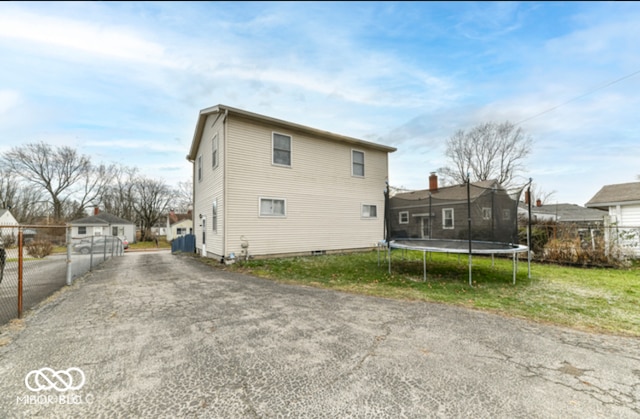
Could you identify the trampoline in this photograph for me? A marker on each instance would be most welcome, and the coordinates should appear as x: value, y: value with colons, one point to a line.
x: 472, y: 218
x: 457, y: 247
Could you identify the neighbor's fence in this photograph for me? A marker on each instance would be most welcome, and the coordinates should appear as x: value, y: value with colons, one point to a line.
x: 184, y: 244
x: 585, y: 244
x: 36, y: 261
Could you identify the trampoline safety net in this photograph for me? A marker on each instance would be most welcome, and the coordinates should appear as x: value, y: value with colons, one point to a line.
x: 479, y: 211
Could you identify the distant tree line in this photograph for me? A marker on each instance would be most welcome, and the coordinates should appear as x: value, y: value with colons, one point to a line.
x: 44, y: 184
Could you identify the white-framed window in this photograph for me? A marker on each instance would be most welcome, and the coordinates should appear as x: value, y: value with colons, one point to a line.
x: 403, y: 217
x: 281, y: 155
x: 214, y: 151
x: 506, y: 214
x: 357, y: 163
x: 199, y: 168
x: 214, y: 215
x: 447, y: 218
x: 273, y: 207
x: 486, y: 213
x: 369, y: 211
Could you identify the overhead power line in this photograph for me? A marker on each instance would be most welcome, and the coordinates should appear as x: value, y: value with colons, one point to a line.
x: 579, y: 97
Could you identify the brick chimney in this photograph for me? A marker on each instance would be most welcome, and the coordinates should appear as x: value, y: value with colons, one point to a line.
x: 433, y: 182
x: 526, y: 197
x: 96, y: 210
x: 538, y: 203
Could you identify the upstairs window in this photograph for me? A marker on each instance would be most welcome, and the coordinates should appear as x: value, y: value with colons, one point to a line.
x: 281, y: 150
x: 404, y: 217
x: 486, y: 213
x: 357, y: 163
x: 199, y: 168
x: 214, y: 151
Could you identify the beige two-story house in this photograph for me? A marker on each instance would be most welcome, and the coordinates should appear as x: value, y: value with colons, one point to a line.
x: 267, y: 187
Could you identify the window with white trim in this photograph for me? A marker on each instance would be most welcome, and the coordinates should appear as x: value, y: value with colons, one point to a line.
x: 273, y: 207
x: 369, y: 211
x: 199, y: 168
x: 281, y: 149
x: 214, y: 151
x: 486, y: 213
x: 447, y: 218
x: 357, y: 163
x: 404, y: 217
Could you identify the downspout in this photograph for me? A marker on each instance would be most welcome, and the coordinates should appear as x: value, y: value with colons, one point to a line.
x: 224, y: 184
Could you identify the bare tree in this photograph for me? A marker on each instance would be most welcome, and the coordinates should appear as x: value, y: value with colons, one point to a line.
x: 183, y: 200
x: 151, y: 201
x: 487, y: 151
x: 55, y: 171
x: 120, y: 195
x: 24, y: 201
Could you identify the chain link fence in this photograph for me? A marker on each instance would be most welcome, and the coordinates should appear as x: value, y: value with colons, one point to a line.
x: 36, y: 261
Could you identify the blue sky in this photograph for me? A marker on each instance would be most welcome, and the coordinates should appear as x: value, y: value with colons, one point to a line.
x: 123, y: 82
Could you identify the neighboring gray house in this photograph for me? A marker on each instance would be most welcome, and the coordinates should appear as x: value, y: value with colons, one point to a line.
x: 103, y: 224
x: 265, y: 187
x: 622, y: 203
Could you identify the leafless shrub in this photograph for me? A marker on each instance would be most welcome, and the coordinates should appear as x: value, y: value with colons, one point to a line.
x: 39, y: 248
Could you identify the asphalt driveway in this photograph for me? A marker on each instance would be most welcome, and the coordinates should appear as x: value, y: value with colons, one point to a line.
x: 153, y: 335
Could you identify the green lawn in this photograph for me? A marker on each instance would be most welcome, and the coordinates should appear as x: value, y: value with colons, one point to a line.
x: 592, y: 299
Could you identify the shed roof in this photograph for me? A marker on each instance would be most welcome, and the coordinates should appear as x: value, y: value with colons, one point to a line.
x: 102, y: 218
x: 568, y: 212
x: 223, y: 110
x: 620, y: 193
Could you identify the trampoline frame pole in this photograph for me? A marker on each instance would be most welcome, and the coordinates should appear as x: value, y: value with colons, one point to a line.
x: 469, y: 221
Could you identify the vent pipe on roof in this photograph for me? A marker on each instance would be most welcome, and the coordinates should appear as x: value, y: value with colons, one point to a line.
x: 433, y: 182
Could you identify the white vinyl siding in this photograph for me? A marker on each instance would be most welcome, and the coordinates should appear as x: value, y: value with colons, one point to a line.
x: 281, y: 150
x: 357, y: 163
x: 210, y: 188
x: 319, y: 190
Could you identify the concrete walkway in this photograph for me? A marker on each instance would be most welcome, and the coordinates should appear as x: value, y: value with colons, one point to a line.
x: 154, y: 335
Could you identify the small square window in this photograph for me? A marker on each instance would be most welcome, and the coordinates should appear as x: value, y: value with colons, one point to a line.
x: 486, y: 213
x: 82, y: 230
x: 404, y: 217
x: 369, y: 211
x: 270, y: 207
